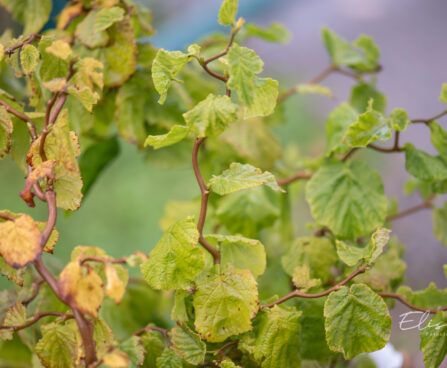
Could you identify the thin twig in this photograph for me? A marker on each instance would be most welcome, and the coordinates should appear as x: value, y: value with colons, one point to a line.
x: 402, y: 299
x: 50, y: 197
x: 36, y: 318
x: 121, y: 260
x: 424, y: 205
x: 204, y: 202
x: 299, y: 294
x: 21, y: 116
x: 163, y: 331
x: 219, y: 352
x: 429, y: 120
x: 30, y: 38
x: 227, y: 49
x: 36, y: 287
x: 300, y: 175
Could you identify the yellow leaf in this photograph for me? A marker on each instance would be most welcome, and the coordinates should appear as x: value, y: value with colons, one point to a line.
x: 45, y: 169
x: 116, y: 359
x: 55, y: 85
x: 60, y: 49
x: 20, y: 241
x: 115, y: 287
x: 82, y: 292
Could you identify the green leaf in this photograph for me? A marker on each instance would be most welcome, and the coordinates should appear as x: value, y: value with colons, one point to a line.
x: 244, y: 65
x: 182, y: 308
x: 275, y: 32
x: 264, y: 98
x: 278, y: 338
x: 176, y: 134
x: 224, y: 303
x: 424, y: 166
x: 105, y: 18
x: 95, y: 159
x: 337, y: 124
x: 6, y: 129
x: 13, y: 274
x: 16, y: 315
x: 438, y: 138
x: 176, y: 260
x: 85, y: 96
x: 356, y: 321
x: 350, y: 253
x: 301, y: 278
x: 211, y: 116
x: 134, y: 350
x: 247, y: 212
x: 51, y: 66
x: 431, y: 297
x: 313, y: 89
x: 316, y: 252
x: 242, y: 253
x: 86, y: 33
x: 58, y: 347
x: 33, y: 14
x: 242, y: 176
x: 440, y: 223
x: 348, y: 198
x: 227, y: 12
x: 154, y: 345
x: 169, y: 359
x: 372, y: 125
x: 165, y: 67
x: 443, y: 96
x: 29, y: 57
x: 62, y: 145
x: 188, y: 345
x: 60, y: 49
x: 434, y: 340
x: 362, y: 93
x: 362, y: 55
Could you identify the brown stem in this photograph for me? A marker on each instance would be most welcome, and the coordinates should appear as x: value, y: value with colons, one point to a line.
x: 163, y: 331
x: 121, y: 260
x: 223, y: 53
x: 86, y: 332
x: 36, y: 318
x: 36, y: 288
x: 21, y: 116
x: 395, y: 147
x: 300, y: 175
x: 426, y: 204
x: 402, y: 299
x: 7, y: 216
x: 213, y: 74
x: 204, y: 202
x: 50, y: 197
x: 299, y: 294
x: 219, y: 352
x: 429, y: 120
x: 349, y: 154
x: 30, y: 38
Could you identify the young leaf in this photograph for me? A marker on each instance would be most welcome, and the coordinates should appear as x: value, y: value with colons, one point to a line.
x: 440, y: 223
x: 244, y: 65
x: 242, y: 253
x: 29, y: 57
x: 242, y: 176
x: 165, y: 67
x: 278, y: 338
x: 175, y: 135
x: 227, y: 12
x: 362, y: 93
x: 337, y: 124
x: 264, y: 98
x: 424, y: 166
x: 275, y: 32
x: 176, y: 260
x: 224, y: 303
x: 58, y: 346
x: 443, y: 96
x: 20, y: 241
x: 211, y: 116
x: 83, y: 292
x: 188, y: 345
x: 434, y: 340
x: 356, y: 321
x: 107, y: 17
x: 169, y: 359
x: 438, y: 138
x: 313, y: 89
x: 348, y: 198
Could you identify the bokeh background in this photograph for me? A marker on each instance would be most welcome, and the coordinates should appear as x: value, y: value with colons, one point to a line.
x: 122, y: 210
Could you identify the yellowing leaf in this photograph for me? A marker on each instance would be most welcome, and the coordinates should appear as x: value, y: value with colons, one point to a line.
x: 301, y: 278
x: 83, y: 292
x: 29, y: 57
x: 114, y: 287
x: 16, y: 315
x: 61, y: 145
x: 264, y: 98
x: 85, y: 96
x: 211, y: 116
x: 60, y: 49
x: 6, y: 129
x: 227, y: 12
x: 55, y: 85
x: 86, y: 34
x: 224, y: 303
x: 89, y: 72
x: 116, y: 359
x: 239, y: 177
x: 44, y: 170
x: 20, y: 241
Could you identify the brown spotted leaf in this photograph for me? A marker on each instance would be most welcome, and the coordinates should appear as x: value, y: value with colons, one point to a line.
x: 20, y: 241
